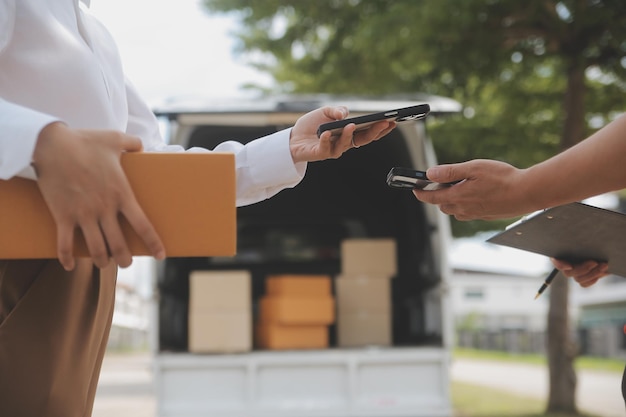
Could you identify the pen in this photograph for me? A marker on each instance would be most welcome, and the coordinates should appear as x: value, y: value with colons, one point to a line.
x: 547, y: 282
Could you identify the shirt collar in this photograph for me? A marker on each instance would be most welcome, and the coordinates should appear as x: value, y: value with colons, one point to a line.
x: 85, y: 2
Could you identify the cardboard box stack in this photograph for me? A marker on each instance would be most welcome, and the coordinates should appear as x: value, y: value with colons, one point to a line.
x: 295, y: 312
x: 220, y: 312
x: 363, y: 291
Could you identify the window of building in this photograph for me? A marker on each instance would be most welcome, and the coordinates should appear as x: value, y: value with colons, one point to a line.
x: 474, y: 293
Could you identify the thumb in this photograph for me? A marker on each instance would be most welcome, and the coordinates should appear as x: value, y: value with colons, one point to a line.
x: 447, y: 173
x: 336, y: 113
x: 131, y: 144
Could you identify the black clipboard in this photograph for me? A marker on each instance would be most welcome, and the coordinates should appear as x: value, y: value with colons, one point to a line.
x: 574, y: 233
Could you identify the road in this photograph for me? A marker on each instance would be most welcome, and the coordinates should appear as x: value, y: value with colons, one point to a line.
x: 126, y: 385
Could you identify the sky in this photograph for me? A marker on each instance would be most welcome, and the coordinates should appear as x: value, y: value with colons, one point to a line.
x: 174, y: 48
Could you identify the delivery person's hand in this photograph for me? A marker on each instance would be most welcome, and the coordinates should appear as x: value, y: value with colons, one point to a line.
x: 82, y: 181
x: 584, y: 273
x: 306, y: 146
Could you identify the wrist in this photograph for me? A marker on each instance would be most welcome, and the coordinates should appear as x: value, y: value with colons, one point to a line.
x: 532, y: 189
x: 295, y: 148
x: 48, y: 136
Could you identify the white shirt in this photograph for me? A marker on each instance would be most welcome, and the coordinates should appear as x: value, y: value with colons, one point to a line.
x: 57, y: 62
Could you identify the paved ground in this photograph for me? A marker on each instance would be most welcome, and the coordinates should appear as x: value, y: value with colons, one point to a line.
x: 126, y: 389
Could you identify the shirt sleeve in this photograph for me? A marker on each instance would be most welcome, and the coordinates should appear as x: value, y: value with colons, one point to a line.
x: 7, y: 22
x: 141, y: 120
x: 263, y: 167
x: 20, y: 127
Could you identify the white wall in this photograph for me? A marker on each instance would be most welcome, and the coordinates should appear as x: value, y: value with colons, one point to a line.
x: 503, y: 301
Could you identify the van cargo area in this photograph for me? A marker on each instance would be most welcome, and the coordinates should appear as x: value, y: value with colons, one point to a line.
x: 336, y: 303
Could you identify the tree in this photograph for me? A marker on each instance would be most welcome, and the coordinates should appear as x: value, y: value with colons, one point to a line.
x: 535, y: 77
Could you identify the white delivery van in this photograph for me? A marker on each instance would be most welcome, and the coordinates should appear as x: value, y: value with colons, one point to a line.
x: 300, y: 232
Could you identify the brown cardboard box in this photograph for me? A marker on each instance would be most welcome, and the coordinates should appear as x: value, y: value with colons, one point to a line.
x: 297, y: 310
x: 369, y: 294
x: 277, y: 336
x: 375, y: 257
x: 220, y: 332
x: 188, y: 197
x: 219, y: 291
x: 363, y: 329
x: 298, y: 285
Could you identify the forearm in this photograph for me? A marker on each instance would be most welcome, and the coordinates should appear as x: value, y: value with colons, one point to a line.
x: 594, y: 166
x: 265, y: 167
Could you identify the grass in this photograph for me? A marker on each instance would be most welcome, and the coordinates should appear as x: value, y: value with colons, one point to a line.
x: 477, y: 401
x: 582, y: 362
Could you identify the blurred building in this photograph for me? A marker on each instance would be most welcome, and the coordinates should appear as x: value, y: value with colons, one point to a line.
x: 602, y: 317
x: 492, y: 293
x: 493, y: 289
x: 130, y: 329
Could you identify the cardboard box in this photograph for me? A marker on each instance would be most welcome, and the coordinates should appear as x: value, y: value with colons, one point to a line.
x: 298, y: 285
x: 188, y: 197
x: 297, y: 310
x: 220, y: 332
x: 276, y: 336
x: 368, y: 294
x: 220, y: 291
x: 364, y: 329
x: 375, y: 257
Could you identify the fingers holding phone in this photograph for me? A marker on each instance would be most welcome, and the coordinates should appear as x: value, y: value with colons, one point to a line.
x: 408, y: 178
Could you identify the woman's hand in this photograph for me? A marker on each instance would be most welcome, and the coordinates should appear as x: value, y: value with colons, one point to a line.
x: 85, y: 188
x: 487, y: 190
x: 307, y: 147
x: 585, y: 274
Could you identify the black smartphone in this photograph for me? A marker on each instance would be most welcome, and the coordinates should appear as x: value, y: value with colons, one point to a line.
x: 364, y: 122
x: 399, y: 177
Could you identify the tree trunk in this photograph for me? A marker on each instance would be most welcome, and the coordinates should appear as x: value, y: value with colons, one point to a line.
x: 561, y: 351
x: 574, y: 107
x: 561, y: 347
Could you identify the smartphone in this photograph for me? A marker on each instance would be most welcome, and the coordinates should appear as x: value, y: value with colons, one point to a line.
x: 364, y: 122
x: 399, y: 177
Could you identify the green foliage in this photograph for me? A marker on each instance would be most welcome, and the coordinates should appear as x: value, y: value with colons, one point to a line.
x: 508, y: 62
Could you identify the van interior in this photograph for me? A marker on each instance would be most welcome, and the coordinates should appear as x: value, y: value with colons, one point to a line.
x: 299, y: 231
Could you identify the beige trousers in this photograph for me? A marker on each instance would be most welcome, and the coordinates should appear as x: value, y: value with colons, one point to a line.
x: 54, y: 327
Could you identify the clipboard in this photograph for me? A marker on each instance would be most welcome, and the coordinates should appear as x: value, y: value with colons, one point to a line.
x: 188, y: 197
x: 573, y: 232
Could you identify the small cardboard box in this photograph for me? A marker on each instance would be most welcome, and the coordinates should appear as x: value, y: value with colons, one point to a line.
x: 369, y: 294
x: 375, y: 257
x: 277, y: 336
x: 297, y: 310
x: 220, y: 291
x: 188, y: 197
x: 298, y: 285
x: 220, y: 332
x: 364, y: 329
